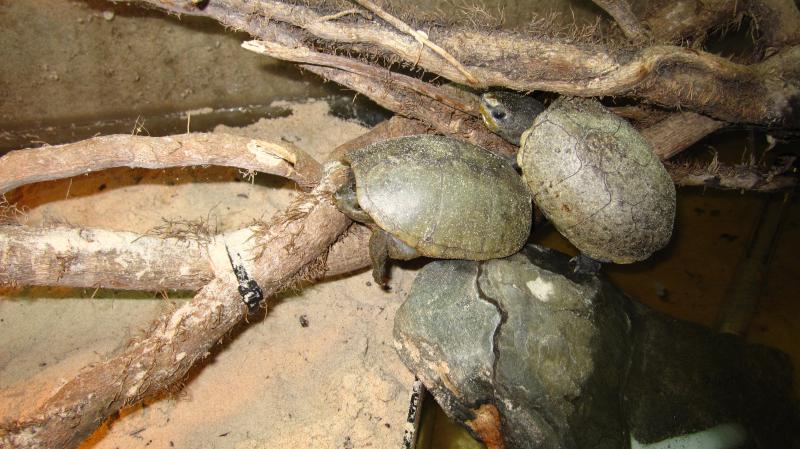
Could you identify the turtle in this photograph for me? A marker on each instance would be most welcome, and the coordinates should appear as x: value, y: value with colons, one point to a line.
x: 596, y: 179
x: 435, y: 196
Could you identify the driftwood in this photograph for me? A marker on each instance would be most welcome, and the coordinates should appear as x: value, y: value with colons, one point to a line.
x: 671, y: 76
x: 689, y: 93
x: 299, y: 237
x: 308, y: 241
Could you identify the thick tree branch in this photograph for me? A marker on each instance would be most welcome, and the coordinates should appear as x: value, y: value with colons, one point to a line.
x: 671, y: 76
x: 98, y: 258
x: 292, y: 250
x: 54, y: 162
x: 299, y: 237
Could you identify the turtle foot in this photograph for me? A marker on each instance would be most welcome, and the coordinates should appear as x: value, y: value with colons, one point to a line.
x: 586, y: 265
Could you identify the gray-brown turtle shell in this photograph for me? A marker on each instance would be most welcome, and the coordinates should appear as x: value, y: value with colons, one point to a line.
x: 444, y: 197
x: 596, y: 178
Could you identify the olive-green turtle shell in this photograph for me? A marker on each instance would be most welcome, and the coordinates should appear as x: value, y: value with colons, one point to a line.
x: 596, y: 178
x: 444, y: 197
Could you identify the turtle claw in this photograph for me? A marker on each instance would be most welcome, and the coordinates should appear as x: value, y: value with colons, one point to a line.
x: 380, y: 277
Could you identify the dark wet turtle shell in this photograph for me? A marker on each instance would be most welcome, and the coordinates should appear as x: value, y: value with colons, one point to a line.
x: 443, y: 197
x: 596, y: 178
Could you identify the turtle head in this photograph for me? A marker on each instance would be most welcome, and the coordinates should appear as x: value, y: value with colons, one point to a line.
x: 346, y: 201
x: 509, y: 114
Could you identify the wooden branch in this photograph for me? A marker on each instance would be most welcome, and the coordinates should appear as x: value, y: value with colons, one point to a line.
x: 349, y: 253
x: 669, y: 76
x: 298, y: 238
x: 178, y: 259
x: 621, y: 11
x: 400, y: 93
x: 293, y: 249
x: 668, y: 137
x: 54, y: 162
x: 666, y: 75
x: 420, y: 36
x: 777, y: 21
x: 396, y: 126
x: 441, y: 118
x: 678, y: 132
x: 466, y: 102
x: 99, y: 258
x: 735, y: 177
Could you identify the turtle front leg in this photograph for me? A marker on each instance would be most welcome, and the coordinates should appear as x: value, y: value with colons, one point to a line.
x: 379, y: 253
x: 382, y: 246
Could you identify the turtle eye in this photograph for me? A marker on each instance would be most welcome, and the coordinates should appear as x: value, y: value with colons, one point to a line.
x: 498, y: 114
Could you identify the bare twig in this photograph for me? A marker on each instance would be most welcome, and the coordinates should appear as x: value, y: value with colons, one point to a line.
x: 344, y: 13
x: 46, y: 163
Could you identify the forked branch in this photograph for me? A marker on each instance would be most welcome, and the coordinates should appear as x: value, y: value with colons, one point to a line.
x: 298, y: 238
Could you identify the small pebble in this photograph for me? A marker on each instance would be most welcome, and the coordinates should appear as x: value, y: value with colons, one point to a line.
x: 108, y: 15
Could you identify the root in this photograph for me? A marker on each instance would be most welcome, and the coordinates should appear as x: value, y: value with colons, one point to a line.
x: 18, y: 168
x: 667, y: 75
